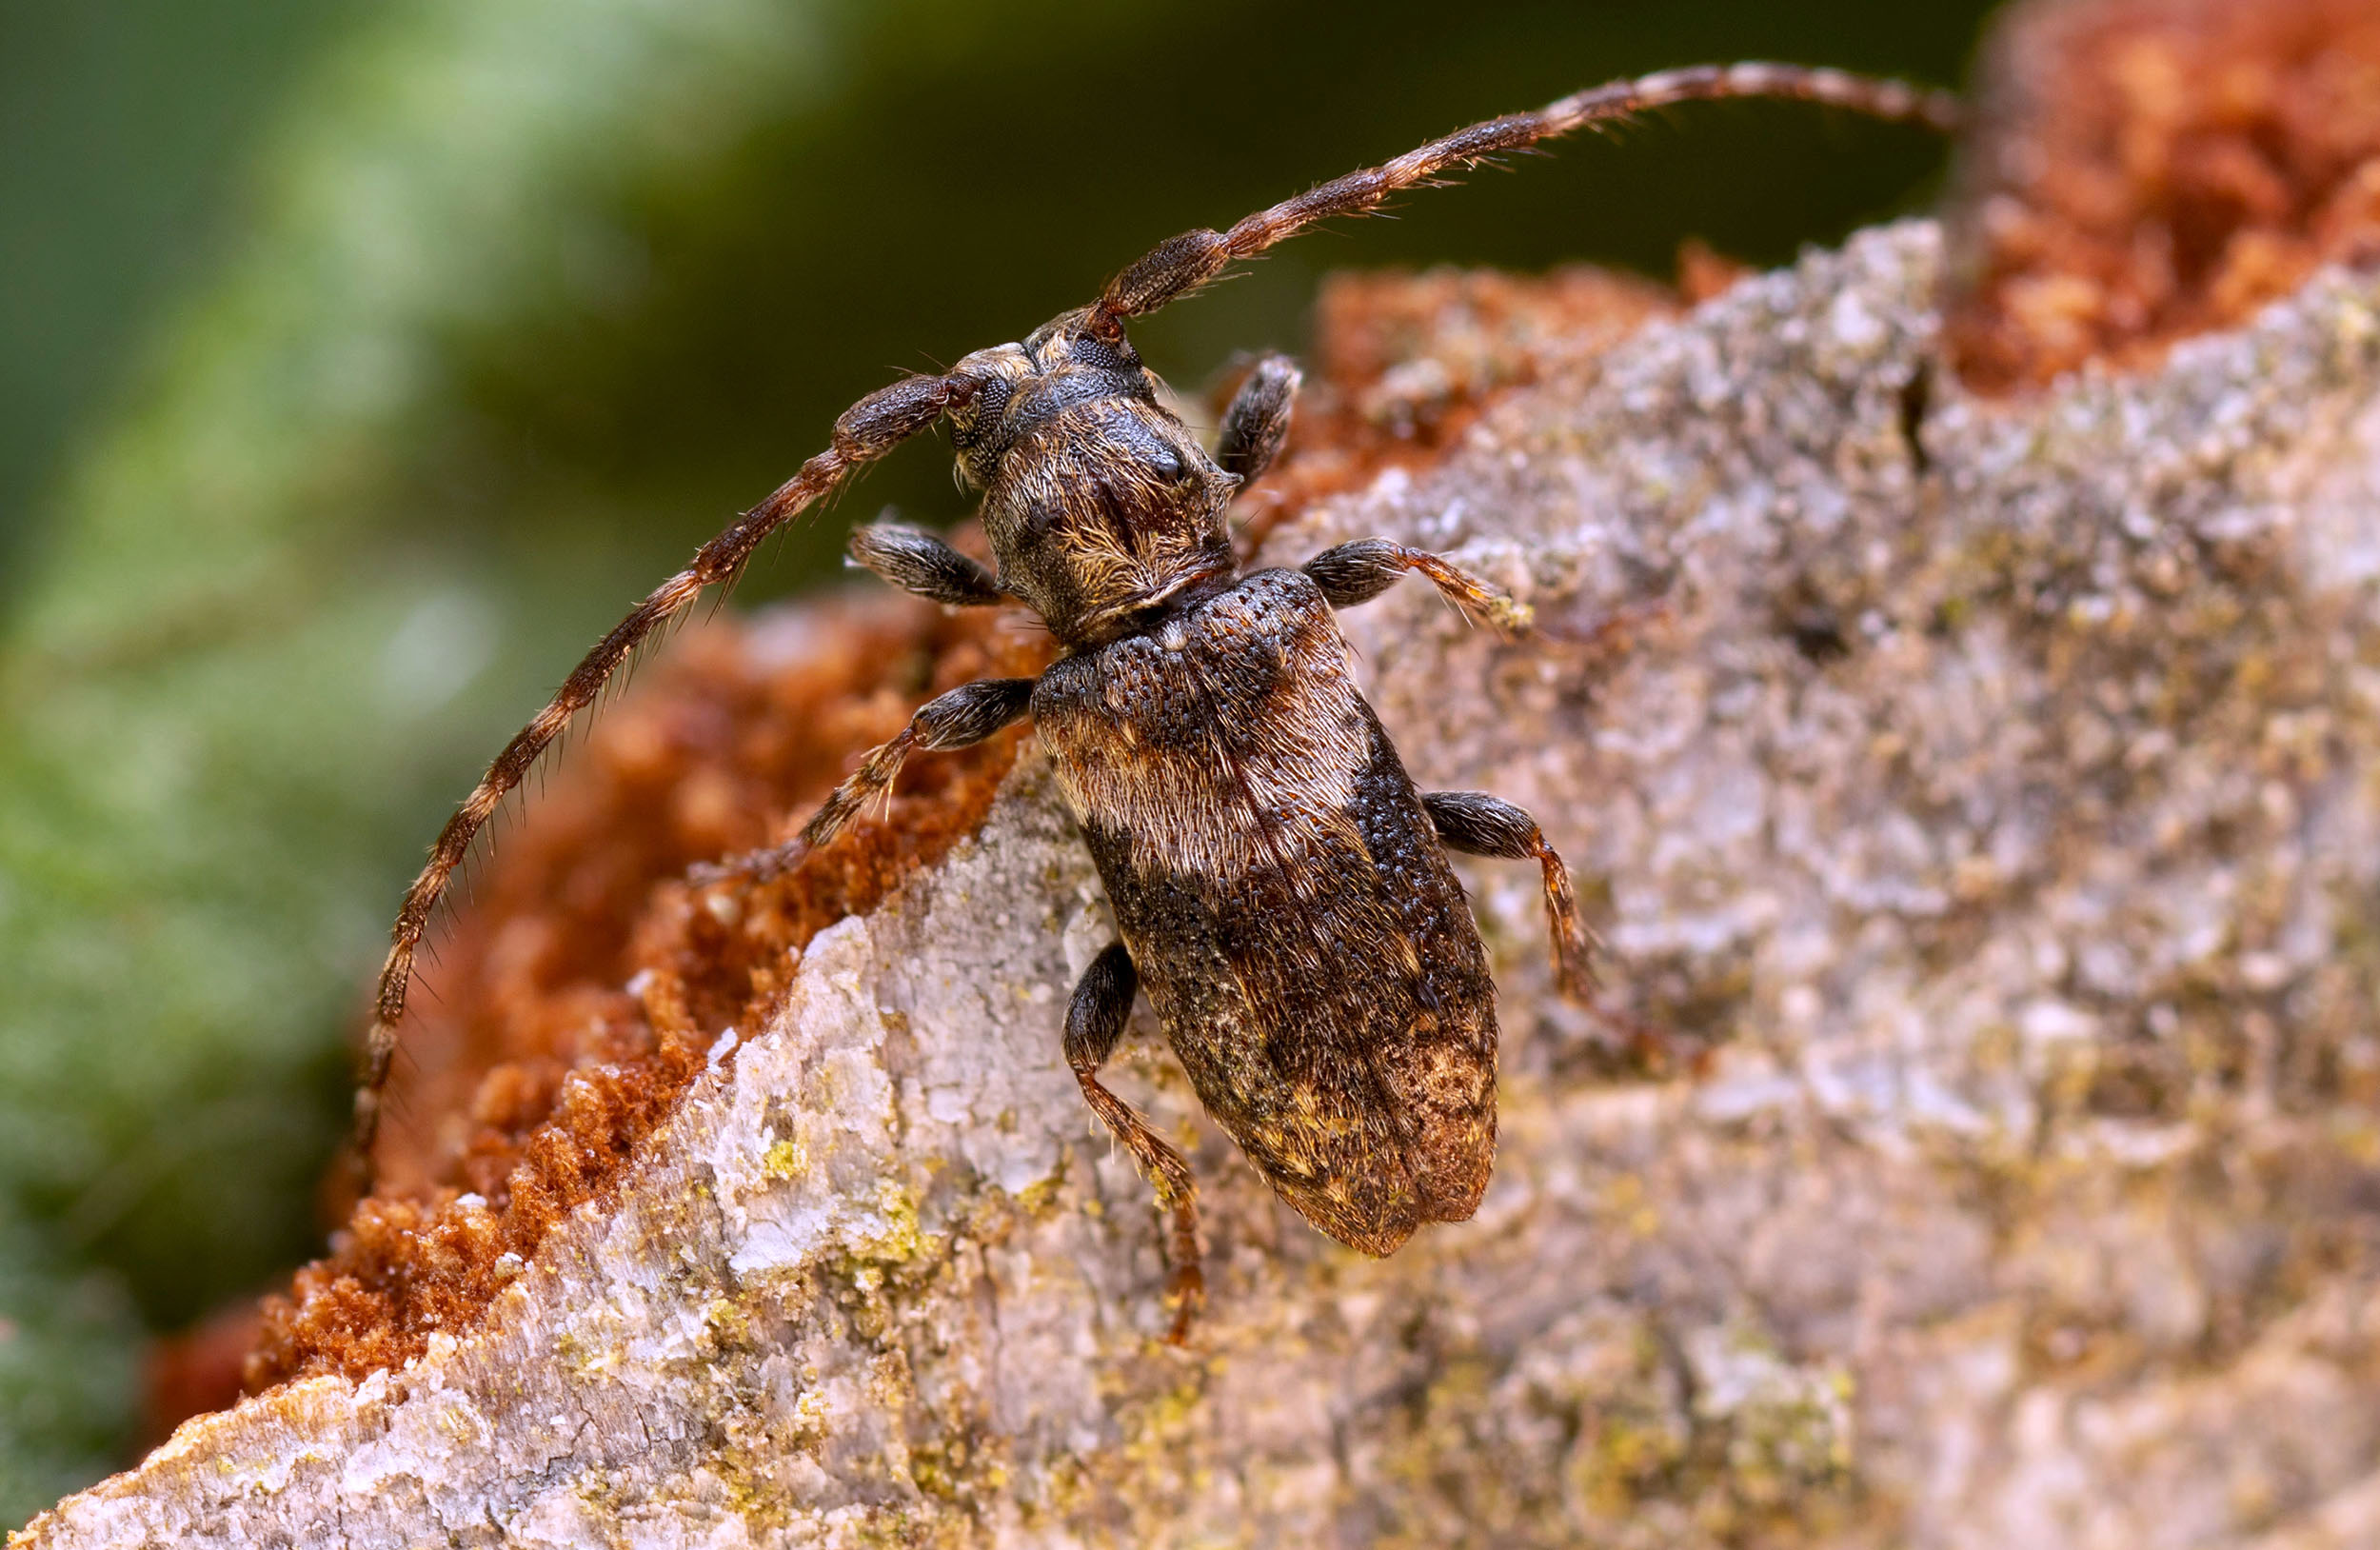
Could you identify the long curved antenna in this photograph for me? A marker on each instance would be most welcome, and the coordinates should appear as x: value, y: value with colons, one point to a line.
x: 865, y: 431
x: 1174, y: 269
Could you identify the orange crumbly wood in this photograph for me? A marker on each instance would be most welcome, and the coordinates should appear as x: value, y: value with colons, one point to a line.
x: 532, y: 1073
x: 2147, y: 169
x: 1404, y: 363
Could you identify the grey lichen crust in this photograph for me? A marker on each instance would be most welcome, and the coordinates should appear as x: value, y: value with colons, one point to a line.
x: 1993, y: 791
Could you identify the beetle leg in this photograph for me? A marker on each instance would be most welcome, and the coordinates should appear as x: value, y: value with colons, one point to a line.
x: 1257, y: 421
x: 916, y: 561
x: 864, y: 432
x: 1361, y: 571
x: 967, y: 714
x: 1479, y: 825
x: 1094, y: 1019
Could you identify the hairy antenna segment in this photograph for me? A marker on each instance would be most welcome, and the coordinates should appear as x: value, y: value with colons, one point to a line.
x: 1180, y: 265
x: 864, y: 433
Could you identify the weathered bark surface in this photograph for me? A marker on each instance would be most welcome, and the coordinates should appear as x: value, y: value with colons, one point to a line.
x: 1995, y: 788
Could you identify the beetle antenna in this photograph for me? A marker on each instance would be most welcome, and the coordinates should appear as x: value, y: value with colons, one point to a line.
x: 865, y: 432
x: 1181, y: 265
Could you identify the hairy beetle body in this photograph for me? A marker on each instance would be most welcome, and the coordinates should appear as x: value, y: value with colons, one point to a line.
x: 1289, y: 908
x: 1276, y: 877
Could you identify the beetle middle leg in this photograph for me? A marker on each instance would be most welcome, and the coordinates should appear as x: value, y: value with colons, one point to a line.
x: 967, y: 714
x: 1361, y: 571
x: 1094, y: 1019
x: 1479, y: 825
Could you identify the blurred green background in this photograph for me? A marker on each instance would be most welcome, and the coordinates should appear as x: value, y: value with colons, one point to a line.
x: 359, y: 364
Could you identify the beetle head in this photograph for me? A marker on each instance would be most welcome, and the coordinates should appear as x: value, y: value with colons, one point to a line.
x: 1100, y: 506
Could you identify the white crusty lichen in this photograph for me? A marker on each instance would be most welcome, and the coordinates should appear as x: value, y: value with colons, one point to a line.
x: 1992, y: 789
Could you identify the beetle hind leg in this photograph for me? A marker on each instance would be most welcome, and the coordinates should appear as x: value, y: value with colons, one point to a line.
x: 1094, y: 1020
x: 1480, y: 824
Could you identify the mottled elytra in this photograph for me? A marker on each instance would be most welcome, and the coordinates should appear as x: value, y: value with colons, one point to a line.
x: 1281, y: 889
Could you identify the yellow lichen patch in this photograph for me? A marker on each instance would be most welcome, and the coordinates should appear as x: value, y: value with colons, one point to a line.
x: 785, y: 1161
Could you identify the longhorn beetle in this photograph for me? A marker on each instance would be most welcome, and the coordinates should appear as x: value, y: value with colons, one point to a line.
x: 1282, y: 890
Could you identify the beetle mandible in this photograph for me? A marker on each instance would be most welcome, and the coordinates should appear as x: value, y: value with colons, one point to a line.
x: 1280, y: 888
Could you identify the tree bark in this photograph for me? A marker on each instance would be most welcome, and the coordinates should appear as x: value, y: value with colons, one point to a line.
x: 1987, y: 791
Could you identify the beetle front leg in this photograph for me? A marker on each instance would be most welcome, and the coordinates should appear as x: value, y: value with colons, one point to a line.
x: 916, y: 561
x: 1094, y: 1019
x: 1361, y: 571
x: 1257, y: 421
x: 967, y: 714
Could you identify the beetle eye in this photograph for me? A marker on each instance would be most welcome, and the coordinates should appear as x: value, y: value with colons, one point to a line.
x: 991, y: 401
x: 1102, y: 355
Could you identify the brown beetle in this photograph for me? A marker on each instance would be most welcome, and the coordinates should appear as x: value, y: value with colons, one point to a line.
x: 1280, y: 888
